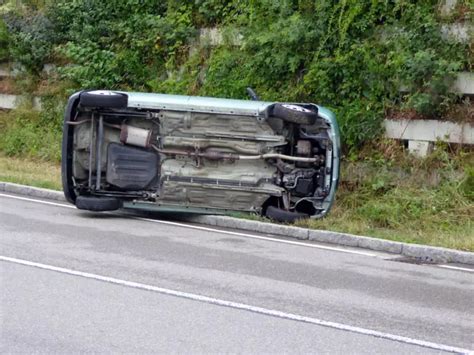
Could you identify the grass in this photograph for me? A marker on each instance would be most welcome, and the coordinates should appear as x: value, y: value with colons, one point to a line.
x: 30, y: 172
x: 385, y: 218
x: 428, y: 201
x: 26, y: 132
x: 397, y: 197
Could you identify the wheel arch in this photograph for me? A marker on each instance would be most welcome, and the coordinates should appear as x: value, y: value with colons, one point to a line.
x: 66, y: 148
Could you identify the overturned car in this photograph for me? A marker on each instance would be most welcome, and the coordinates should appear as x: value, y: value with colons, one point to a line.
x: 199, y: 154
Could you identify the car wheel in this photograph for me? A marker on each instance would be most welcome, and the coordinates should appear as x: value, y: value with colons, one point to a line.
x: 295, y: 114
x: 279, y: 215
x: 92, y: 203
x: 103, y: 98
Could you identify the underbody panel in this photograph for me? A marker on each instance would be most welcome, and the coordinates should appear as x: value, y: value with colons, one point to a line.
x: 200, y: 153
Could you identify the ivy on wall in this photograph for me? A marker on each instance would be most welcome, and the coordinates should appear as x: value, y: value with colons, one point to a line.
x: 350, y: 55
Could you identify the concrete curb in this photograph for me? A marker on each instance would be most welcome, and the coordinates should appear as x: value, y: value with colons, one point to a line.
x: 32, y: 191
x: 423, y: 252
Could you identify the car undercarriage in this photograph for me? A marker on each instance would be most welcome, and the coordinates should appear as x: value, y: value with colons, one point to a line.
x: 202, y: 155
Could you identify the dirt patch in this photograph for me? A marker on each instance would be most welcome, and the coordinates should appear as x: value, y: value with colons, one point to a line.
x: 405, y: 114
x: 461, y: 112
x: 7, y: 86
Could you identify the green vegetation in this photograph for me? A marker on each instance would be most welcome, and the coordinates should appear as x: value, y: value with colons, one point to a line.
x: 397, y: 197
x: 28, y: 133
x: 352, y: 56
x: 28, y: 172
x: 3, y: 41
x: 427, y: 201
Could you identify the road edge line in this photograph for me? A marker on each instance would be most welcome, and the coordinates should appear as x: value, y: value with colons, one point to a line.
x: 424, y: 252
x: 243, y: 307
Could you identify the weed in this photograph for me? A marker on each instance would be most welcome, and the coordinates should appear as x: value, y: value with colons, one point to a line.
x: 466, y: 187
x: 29, y: 133
x: 30, y: 172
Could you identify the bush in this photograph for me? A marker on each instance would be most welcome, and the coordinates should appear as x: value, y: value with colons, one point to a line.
x: 352, y: 56
x: 122, y: 45
x: 34, y: 134
x: 4, y: 40
x: 31, y: 38
x: 467, y: 185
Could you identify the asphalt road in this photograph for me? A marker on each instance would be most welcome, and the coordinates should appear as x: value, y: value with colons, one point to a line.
x: 77, y: 282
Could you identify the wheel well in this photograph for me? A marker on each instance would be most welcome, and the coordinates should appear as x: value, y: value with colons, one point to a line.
x: 306, y: 207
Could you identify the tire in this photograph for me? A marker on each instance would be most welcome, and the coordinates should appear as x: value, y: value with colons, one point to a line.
x: 66, y: 147
x: 103, y: 98
x: 92, y: 203
x: 279, y: 215
x: 295, y: 114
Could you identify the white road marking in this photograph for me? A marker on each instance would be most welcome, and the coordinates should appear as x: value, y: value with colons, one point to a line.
x: 207, y: 229
x: 253, y: 236
x: 37, y: 201
x: 245, y: 235
x: 455, y: 268
x: 245, y: 307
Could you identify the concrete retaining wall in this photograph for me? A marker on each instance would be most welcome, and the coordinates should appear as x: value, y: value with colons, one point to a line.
x: 430, y: 130
x: 421, y: 134
x: 10, y: 102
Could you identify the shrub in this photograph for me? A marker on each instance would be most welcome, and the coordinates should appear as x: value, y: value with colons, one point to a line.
x: 467, y: 185
x: 4, y: 40
x: 31, y: 39
x: 352, y: 56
